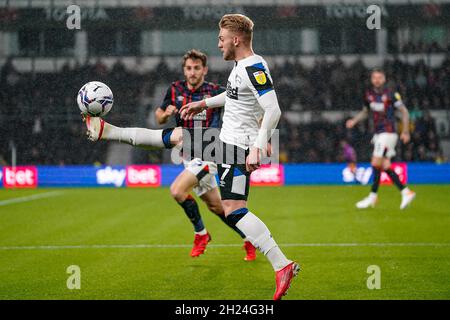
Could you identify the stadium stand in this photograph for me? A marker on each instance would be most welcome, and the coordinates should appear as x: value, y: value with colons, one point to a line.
x: 49, y: 118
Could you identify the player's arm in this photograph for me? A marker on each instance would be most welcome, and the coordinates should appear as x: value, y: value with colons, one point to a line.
x: 398, y: 103
x: 269, y: 121
x: 272, y: 113
x: 360, y: 116
x: 260, y: 83
x: 269, y: 145
x: 162, y: 115
x: 167, y: 109
x: 188, y: 111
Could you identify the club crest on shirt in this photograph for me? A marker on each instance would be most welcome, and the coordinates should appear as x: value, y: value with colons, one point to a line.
x: 180, y: 98
x: 200, y: 116
x: 260, y: 77
x: 238, y: 80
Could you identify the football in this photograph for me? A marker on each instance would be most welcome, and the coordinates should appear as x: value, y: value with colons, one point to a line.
x: 95, y: 99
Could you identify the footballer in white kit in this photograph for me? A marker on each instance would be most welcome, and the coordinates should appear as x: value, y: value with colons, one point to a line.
x: 250, y: 116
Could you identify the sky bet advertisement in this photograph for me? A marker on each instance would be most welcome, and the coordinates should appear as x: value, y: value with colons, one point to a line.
x: 149, y: 176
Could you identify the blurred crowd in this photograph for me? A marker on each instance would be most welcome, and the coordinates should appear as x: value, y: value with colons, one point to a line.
x: 335, y: 86
x: 38, y: 111
x: 419, y: 47
x: 39, y: 116
x: 325, y: 141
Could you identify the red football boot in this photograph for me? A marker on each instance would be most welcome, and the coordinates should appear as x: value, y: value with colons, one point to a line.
x: 284, y: 278
x: 200, y: 243
x: 250, y: 250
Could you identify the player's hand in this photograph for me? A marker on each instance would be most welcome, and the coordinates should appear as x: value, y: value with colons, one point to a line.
x: 188, y: 111
x: 405, y: 137
x: 170, y: 110
x: 253, y: 160
x: 350, y: 123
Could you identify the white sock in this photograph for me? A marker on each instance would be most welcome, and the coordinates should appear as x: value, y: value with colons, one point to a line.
x: 202, y: 233
x: 139, y: 137
x: 259, y: 235
x: 277, y: 258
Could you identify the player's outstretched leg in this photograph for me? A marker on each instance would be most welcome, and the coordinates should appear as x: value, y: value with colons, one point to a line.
x: 99, y: 129
x: 258, y: 233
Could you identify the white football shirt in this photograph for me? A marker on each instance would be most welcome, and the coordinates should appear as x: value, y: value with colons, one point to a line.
x: 249, y: 80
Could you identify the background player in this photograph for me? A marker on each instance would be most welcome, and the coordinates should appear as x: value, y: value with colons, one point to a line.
x: 383, y: 102
x: 250, y: 96
x: 198, y: 175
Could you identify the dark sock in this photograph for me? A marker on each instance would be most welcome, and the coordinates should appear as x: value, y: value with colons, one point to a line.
x: 395, y: 179
x: 166, y: 133
x: 232, y: 226
x: 376, y: 179
x: 236, y: 215
x: 191, y: 209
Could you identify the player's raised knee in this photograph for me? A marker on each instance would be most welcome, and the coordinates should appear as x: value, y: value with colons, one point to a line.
x: 177, y: 193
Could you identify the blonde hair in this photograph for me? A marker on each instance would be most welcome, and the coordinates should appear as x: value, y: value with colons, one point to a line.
x: 238, y: 23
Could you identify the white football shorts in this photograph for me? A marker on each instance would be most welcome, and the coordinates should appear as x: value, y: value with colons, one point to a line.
x: 205, y: 171
x: 384, y: 145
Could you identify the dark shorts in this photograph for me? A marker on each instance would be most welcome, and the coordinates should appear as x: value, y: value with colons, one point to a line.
x: 234, y: 178
x: 233, y: 175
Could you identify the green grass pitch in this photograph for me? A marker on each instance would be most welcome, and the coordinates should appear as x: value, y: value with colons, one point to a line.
x: 318, y: 225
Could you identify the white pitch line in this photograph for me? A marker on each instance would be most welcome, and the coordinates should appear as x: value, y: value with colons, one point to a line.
x: 152, y: 246
x: 30, y: 198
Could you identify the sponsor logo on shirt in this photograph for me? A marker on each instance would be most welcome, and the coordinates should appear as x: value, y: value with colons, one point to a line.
x: 377, y: 106
x: 232, y: 93
x: 200, y: 116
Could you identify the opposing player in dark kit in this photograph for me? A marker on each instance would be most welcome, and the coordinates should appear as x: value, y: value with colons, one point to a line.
x: 383, y: 102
